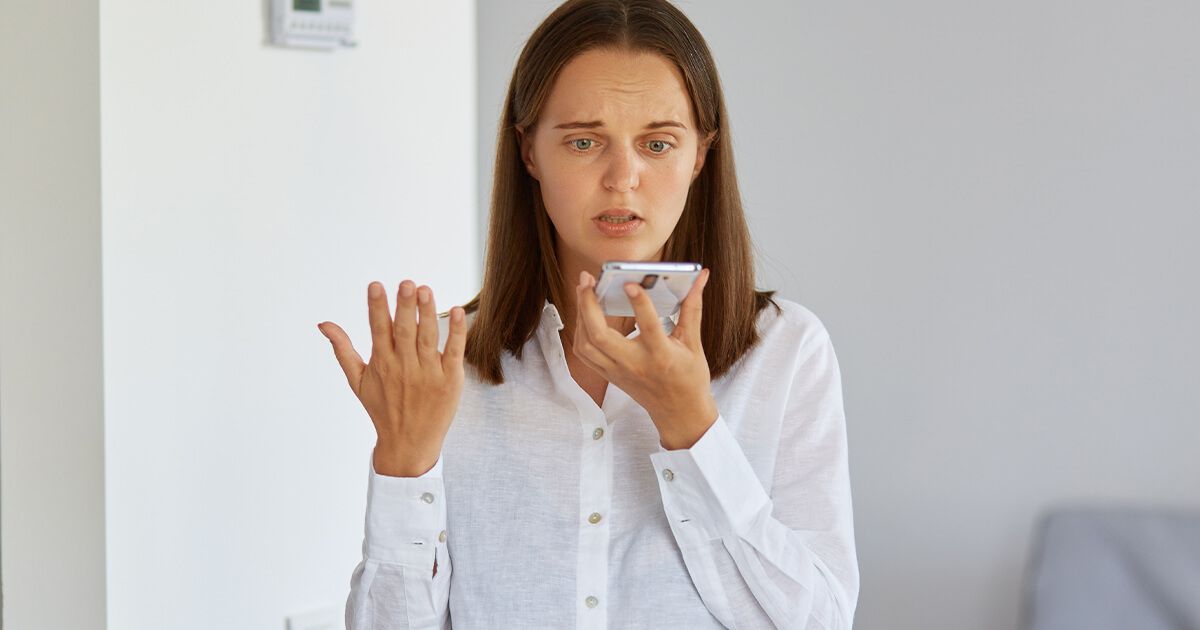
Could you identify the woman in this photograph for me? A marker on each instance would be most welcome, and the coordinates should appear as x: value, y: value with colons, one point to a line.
x: 541, y: 465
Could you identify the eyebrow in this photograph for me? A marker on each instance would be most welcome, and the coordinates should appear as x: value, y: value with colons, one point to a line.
x: 592, y: 124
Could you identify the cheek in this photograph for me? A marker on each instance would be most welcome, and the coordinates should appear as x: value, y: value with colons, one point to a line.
x: 683, y: 168
x: 565, y: 192
x: 670, y: 184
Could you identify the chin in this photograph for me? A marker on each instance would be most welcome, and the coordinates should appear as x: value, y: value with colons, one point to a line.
x: 624, y: 252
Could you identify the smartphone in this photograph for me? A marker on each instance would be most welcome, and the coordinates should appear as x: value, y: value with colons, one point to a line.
x: 667, y: 283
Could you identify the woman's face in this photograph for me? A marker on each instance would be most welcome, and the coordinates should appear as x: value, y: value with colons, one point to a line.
x: 617, y: 133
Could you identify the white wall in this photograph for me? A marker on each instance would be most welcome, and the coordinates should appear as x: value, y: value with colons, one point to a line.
x: 994, y: 210
x: 249, y: 193
x: 51, y: 427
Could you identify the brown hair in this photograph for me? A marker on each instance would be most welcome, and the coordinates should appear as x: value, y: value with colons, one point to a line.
x: 521, y: 270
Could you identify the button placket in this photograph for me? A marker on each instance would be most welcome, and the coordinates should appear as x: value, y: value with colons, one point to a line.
x: 595, y: 501
x: 595, y: 479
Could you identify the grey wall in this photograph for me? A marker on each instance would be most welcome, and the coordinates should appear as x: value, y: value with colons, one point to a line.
x: 993, y: 208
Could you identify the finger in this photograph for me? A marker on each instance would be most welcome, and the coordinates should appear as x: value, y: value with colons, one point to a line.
x: 456, y: 342
x: 687, y: 329
x: 347, y: 357
x: 590, y: 317
x: 381, y: 324
x: 651, y: 327
x: 427, y: 330
x: 592, y: 357
x: 405, y: 324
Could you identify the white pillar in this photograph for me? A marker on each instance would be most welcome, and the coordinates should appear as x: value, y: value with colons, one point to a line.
x: 52, y: 541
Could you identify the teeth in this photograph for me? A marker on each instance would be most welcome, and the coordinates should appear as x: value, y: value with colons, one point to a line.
x: 616, y: 219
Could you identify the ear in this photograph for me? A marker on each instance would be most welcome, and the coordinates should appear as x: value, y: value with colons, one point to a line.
x: 525, y: 140
x: 702, y: 152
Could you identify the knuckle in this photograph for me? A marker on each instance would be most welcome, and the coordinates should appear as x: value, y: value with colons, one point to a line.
x: 454, y: 377
x: 382, y: 368
x: 660, y: 364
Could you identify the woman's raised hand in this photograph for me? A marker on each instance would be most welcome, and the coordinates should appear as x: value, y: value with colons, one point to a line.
x: 409, y: 389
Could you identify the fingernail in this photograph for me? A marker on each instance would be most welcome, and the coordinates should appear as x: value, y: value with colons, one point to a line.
x: 375, y: 290
x: 423, y: 295
x: 582, y: 277
x: 631, y: 290
x: 406, y: 289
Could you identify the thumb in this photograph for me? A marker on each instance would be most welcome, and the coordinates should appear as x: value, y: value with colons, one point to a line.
x: 347, y: 357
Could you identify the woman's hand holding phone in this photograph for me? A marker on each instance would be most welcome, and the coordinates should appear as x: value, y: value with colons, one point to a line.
x: 667, y: 374
x: 409, y: 389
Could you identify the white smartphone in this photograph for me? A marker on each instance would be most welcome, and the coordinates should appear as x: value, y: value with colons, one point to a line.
x: 667, y: 283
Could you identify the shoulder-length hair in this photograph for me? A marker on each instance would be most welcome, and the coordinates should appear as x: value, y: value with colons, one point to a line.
x: 521, y: 268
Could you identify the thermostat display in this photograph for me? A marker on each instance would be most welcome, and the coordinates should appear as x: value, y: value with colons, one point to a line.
x: 312, y: 23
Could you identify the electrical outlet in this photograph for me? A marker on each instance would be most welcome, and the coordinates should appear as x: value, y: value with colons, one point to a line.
x: 323, y: 619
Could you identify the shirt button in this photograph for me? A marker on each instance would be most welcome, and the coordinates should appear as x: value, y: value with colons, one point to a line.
x: 667, y: 474
x: 591, y: 602
x: 427, y: 497
x: 594, y: 518
x: 442, y: 536
x: 598, y: 433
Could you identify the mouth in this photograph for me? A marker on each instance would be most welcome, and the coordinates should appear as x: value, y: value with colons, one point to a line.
x: 616, y: 219
x: 618, y: 223
x: 617, y: 216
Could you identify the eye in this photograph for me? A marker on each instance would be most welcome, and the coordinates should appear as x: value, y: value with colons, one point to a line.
x: 659, y: 146
x: 575, y: 144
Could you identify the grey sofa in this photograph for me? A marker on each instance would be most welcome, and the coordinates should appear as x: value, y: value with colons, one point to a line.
x: 1113, y: 568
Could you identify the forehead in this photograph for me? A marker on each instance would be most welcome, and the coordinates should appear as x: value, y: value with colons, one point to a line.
x: 619, y: 87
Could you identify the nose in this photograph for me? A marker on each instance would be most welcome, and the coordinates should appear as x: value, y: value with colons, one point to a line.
x: 622, y: 172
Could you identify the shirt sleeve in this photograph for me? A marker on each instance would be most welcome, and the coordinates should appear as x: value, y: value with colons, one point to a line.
x: 784, y: 559
x: 394, y: 586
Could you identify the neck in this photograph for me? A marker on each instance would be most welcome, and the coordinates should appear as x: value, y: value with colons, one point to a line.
x: 568, y: 311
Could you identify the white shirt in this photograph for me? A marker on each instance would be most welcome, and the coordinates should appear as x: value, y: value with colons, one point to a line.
x: 546, y: 511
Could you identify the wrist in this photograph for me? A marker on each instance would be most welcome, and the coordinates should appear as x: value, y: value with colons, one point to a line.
x: 683, y: 430
x: 393, y: 461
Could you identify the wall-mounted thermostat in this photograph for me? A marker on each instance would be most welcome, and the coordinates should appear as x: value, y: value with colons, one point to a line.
x: 312, y: 23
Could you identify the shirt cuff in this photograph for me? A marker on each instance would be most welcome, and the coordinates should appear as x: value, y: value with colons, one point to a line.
x: 406, y: 517
x: 709, y: 490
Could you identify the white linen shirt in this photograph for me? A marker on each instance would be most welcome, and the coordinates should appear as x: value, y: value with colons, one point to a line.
x: 545, y: 510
